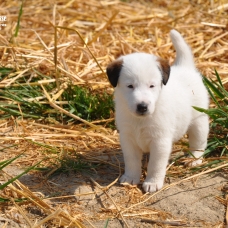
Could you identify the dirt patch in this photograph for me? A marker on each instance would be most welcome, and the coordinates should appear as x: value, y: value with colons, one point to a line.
x: 193, y: 203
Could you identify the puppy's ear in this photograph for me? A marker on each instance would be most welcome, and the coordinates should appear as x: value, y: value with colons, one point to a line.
x: 165, y: 70
x: 113, y: 71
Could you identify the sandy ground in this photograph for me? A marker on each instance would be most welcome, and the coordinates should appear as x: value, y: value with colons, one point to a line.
x: 192, y: 203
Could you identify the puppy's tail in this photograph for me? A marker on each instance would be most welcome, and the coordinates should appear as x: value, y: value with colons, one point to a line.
x: 184, y: 54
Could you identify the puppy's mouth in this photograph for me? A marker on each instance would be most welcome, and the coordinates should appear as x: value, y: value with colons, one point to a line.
x: 141, y: 114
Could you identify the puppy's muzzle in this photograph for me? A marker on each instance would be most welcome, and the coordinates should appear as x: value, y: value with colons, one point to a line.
x: 142, y: 108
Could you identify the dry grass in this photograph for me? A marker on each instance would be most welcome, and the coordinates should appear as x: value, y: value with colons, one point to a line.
x: 73, y: 41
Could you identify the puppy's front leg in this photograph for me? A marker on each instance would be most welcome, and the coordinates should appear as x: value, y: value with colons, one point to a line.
x: 132, y: 160
x: 160, y: 150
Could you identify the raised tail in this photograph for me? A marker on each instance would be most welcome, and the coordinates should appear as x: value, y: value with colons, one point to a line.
x: 184, y: 56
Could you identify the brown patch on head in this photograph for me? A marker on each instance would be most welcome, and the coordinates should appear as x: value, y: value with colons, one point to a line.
x: 113, y: 71
x: 164, y: 67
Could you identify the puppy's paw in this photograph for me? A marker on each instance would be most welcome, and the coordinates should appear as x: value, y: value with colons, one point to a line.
x: 194, y: 163
x: 152, y: 186
x: 197, y: 160
x: 129, y: 180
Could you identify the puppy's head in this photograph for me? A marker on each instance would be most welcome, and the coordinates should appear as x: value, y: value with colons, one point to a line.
x: 138, y: 80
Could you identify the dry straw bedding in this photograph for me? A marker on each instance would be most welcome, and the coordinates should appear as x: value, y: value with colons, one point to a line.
x: 90, y: 34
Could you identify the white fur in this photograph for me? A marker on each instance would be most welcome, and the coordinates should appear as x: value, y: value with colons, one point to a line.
x: 169, y: 112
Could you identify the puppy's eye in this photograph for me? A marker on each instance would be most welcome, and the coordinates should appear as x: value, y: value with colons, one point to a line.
x: 151, y: 86
x: 130, y: 86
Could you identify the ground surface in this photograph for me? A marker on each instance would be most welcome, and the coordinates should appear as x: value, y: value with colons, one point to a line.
x: 193, y: 203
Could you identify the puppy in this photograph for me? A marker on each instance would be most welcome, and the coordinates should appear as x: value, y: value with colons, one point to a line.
x: 153, y: 104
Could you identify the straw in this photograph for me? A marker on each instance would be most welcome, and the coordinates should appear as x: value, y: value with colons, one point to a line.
x: 71, y: 43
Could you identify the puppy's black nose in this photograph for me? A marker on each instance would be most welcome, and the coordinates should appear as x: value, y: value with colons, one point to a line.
x: 142, y: 108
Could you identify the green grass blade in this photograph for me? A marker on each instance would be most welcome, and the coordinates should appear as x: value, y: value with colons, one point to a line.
x: 212, y: 111
x: 223, y: 151
x: 3, y: 164
x: 19, y: 20
x: 221, y: 89
x: 214, y: 89
x: 3, y: 200
x: 18, y: 176
x: 106, y: 223
x: 17, y: 113
x: 4, y: 71
x: 217, y: 112
x: 218, y: 78
x: 208, y: 165
x: 48, y: 147
x: 7, y: 147
x: 210, y: 92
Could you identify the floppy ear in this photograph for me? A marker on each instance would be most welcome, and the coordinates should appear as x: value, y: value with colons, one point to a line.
x: 113, y: 71
x: 165, y: 70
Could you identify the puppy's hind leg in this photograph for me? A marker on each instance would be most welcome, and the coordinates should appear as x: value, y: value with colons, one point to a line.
x: 198, y: 133
x: 132, y: 160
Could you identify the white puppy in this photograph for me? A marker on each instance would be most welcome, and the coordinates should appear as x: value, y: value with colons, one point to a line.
x: 153, y: 103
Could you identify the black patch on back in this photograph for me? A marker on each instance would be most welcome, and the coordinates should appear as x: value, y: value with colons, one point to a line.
x: 165, y: 70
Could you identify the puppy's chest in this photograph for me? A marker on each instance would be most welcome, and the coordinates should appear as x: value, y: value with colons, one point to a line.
x: 143, y: 137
